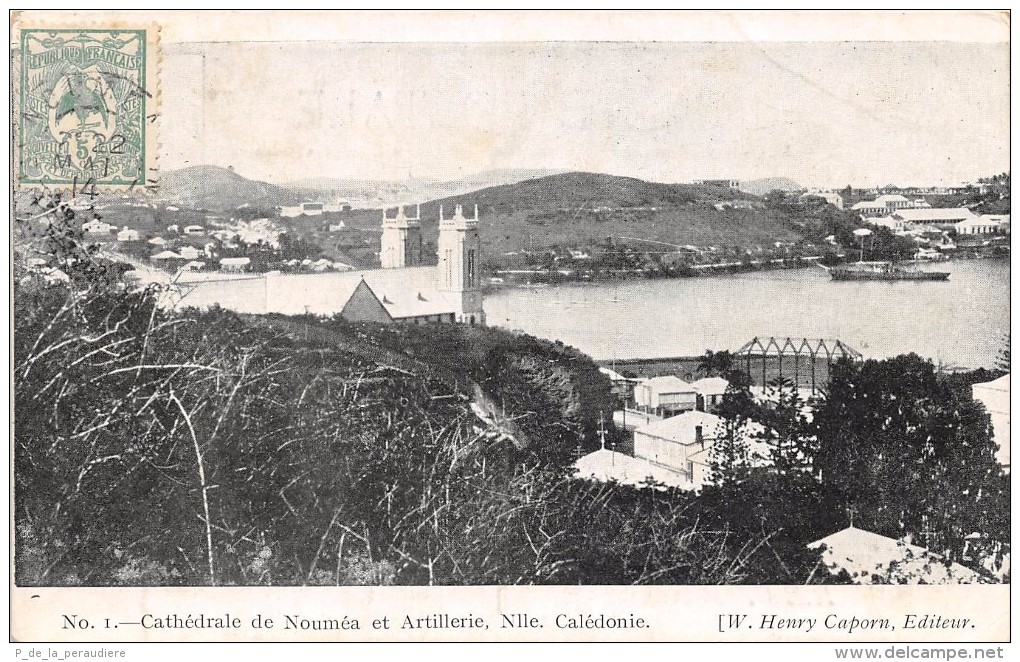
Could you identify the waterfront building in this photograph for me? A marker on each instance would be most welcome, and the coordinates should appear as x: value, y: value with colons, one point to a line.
x: 621, y: 387
x: 1001, y: 219
x: 978, y: 225
x: 994, y: 395
x: 935, y: 216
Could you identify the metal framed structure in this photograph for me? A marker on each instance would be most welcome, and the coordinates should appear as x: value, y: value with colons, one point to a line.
x: 779, y: 350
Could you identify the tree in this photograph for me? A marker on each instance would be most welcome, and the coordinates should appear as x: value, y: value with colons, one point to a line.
x: 785, y: 430
x: 715, y: 363
x: 1002, y: 359
x: 729, y: 458
x: 905, y: 453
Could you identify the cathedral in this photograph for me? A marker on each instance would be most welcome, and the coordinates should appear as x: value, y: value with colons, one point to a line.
x: 403, y: 290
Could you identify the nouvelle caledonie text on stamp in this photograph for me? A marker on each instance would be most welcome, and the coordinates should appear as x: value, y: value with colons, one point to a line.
x: 88, y: 108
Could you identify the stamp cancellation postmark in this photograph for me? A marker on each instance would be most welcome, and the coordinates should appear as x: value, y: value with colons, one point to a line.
x: 88, y: 107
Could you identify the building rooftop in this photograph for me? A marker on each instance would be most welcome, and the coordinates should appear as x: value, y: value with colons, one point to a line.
x: 605, y: 465
x: 935, y: 214
x: 668, y: 384
x: 683, y: 428
x: 711, y: 385
x: 870, y: 558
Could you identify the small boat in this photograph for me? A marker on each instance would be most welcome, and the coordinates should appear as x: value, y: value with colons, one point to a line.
x: 882, y: 271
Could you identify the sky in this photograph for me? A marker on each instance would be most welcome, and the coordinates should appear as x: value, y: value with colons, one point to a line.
x: 824, y: 114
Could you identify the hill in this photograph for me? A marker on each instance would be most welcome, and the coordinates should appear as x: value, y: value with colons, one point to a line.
x: 212, y: 187
x: 580, y: 210
x: 376, y: 192
x: 585, y: 191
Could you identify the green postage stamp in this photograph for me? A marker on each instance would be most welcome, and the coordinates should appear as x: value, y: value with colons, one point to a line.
x: 88, y: 107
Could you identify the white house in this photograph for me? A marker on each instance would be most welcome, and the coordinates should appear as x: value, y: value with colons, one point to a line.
x: 127, y: 234
x: 834, y: 199
x: 194, y: 229
x: 304, y: 209
x: 607, y: 466
x: 881, y: 205
x: 235, y: 263
x: 891, y: 222
x: 665, y: 395
x: 995, y: 397
x: 710, y: 392
x: 680, y: 444
x: 165, y: 255
x: 189, y: 252
x: 95, y: 226
x: 157, y: 241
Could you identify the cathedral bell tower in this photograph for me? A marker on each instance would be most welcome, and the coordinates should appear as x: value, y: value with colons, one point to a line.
x: 460, y: 254
x: 401, y: 240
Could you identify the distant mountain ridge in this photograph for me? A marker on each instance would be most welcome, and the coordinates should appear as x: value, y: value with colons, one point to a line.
x: 768, y: 184
x: 213, y: 187
x: 377, y: 192
x: 584, y: 191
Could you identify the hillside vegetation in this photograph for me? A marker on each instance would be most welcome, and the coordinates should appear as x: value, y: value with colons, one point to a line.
x: 581, y: 210
x: 198, y: 448
x: 210, y: 448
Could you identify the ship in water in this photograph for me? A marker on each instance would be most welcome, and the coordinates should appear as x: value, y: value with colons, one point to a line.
x: 882, y: 271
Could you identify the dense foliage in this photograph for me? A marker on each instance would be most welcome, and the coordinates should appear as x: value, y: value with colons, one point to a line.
x: 158, y: 448
x: 210, y: 448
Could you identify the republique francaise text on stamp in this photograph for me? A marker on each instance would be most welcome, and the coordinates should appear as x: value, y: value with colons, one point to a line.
x: 88, y: 107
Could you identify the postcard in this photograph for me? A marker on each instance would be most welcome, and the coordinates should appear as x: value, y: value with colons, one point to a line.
x: 511, y: 327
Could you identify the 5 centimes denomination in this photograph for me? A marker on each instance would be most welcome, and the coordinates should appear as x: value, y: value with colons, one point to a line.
x: 88, y: 107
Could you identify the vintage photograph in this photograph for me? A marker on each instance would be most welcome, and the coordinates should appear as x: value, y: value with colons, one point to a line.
x: 494, y: 312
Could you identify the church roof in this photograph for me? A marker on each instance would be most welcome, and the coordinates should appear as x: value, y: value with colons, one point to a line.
x: 408, y: 292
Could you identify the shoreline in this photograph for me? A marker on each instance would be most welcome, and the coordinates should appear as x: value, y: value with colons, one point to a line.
x: 557, y: 278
